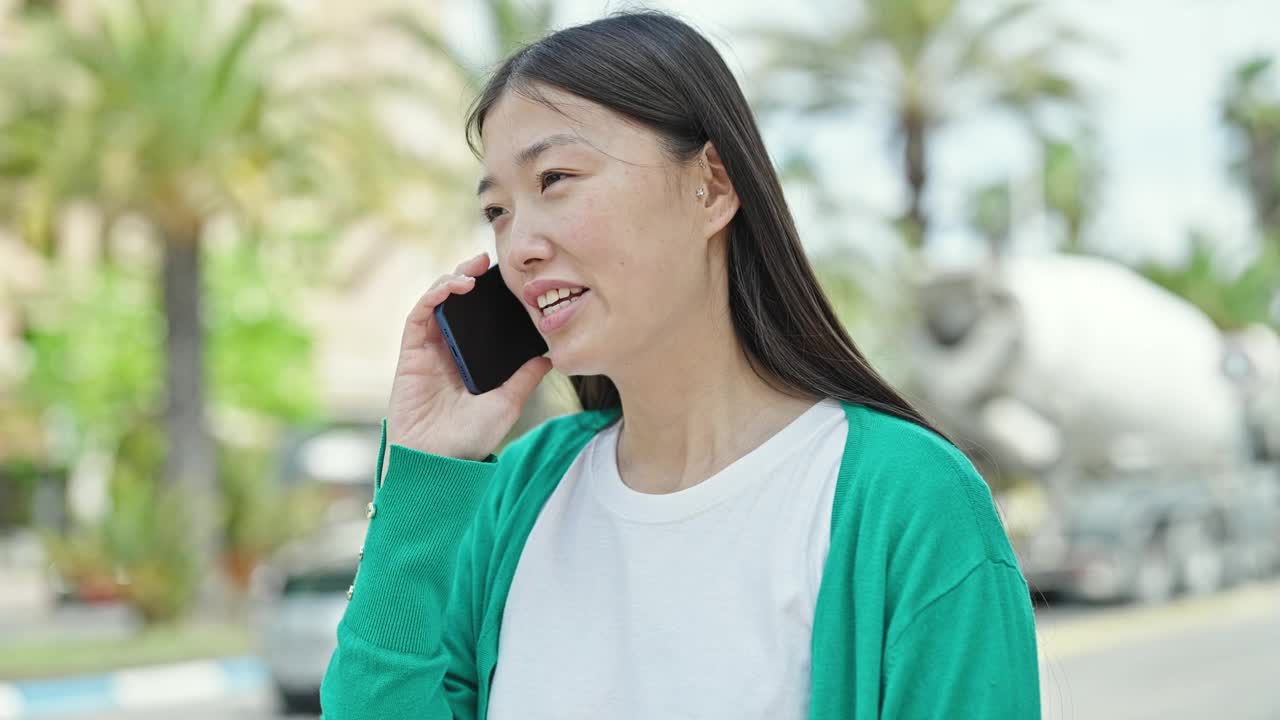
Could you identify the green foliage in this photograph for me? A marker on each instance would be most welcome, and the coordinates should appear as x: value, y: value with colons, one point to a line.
x: 65, y: 656
x: 837, y: 275
x: 158, y: 108
x: 1251, y: 111
x: 146, y: 531
x: 18, y: 479
x: 1072, y: 177
x: 990, y: 213
x: 511, y: 23
x: 98, y: 355
x: 260, y: 353
x: 1071, y: 188
x: 140, y: 550
x: 96, y: 350
x: 177, y: 113
x: 260, y: 515
x: 1232, y: 300
x: 926, y: 63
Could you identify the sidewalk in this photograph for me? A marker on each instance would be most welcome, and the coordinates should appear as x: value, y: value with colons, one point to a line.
x: 27, y: 598
x: 134, y: 689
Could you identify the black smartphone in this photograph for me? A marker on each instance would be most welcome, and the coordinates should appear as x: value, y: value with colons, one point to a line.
x: 489, y: 332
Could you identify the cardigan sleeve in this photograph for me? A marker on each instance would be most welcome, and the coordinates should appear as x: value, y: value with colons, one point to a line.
x: 958, y: 628
x: 406, y: 644
x: 970, y: 652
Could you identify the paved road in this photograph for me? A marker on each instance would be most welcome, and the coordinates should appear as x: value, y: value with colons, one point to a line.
x: 1216, y: 657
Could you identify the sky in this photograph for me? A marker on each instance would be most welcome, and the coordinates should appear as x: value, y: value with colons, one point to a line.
x: 1155, y: 102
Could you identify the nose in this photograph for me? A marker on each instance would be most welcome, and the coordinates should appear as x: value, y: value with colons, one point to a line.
x: 527, y: 243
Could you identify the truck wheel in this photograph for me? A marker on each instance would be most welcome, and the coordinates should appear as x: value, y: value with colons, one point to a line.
x: 1155, y: 577
x: 294, y: 702
x: 1202, y: 565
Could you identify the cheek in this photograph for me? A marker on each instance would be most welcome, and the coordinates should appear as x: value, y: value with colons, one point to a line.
x: 595, y: 229
x: 631, y: 217
x: 626, y: 237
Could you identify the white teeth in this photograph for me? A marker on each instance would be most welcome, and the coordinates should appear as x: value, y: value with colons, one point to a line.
x: 551, y: 296
x: 557, y: 308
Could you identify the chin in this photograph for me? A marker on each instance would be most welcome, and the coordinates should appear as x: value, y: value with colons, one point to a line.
x: 573, y: 361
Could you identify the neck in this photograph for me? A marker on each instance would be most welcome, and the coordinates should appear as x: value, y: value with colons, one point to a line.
x: 694, y: 405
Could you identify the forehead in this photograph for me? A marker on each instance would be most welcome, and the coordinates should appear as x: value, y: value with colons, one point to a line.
x: 517, y: 121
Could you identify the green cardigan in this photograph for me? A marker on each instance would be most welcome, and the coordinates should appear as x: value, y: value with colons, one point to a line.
x: 922, y: 611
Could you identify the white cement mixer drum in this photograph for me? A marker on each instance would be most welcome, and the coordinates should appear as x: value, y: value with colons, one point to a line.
x: 1117, y: 363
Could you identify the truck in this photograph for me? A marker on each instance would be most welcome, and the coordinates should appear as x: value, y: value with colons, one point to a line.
x: 1132, y: 448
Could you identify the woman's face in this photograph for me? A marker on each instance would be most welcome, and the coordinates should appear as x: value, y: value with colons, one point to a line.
x: 579, y: 197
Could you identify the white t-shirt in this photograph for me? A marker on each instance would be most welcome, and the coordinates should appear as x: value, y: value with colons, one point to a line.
x: 693, y: 604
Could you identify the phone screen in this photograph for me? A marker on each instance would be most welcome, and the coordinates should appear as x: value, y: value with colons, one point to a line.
x: 489, y: 332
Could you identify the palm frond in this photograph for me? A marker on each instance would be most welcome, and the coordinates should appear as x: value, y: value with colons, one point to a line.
x: 517, y: 22
x: 234, y: 52
x: 981, y: 37
x: 433, y: 42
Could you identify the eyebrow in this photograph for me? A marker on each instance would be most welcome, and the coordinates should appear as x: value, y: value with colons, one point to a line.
x: 531, y: 153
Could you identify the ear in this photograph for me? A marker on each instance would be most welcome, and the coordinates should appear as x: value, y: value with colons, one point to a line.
x: 720, y: 203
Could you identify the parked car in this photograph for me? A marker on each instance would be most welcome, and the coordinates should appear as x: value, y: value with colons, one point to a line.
x: 300, y: 597
x: 339, y: 457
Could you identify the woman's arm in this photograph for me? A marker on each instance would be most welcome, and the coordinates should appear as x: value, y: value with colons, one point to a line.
x: 961, y: 638
x: 405, y: 645
x: 969, y: 652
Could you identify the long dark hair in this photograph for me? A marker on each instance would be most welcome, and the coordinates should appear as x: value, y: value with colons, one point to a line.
x: 660, y: 72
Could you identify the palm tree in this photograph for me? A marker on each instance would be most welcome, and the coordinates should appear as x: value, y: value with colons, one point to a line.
x: 165, y: 111
x: 1069, y: 178
x: 511, y: 23
x: 927, y: 63
x: 991, y: 215
x: 1232, y: 299
x: 1072, y: 177
x: 1252, y: 114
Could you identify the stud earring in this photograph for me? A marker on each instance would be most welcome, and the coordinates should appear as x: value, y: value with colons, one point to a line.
x: 701, y: 193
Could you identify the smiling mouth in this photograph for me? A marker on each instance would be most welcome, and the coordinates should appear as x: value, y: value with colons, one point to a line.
x: 555, y: 306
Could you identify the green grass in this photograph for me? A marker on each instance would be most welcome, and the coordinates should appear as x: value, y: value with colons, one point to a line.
x: 44, y: 659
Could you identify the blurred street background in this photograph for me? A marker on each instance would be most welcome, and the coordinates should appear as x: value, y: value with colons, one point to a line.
x: 1055, y: 224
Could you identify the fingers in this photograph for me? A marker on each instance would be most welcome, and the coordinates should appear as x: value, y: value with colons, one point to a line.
x: 450, y: 278
x: 474, y: 266
x: 420, y: 326
x: 520, y: 386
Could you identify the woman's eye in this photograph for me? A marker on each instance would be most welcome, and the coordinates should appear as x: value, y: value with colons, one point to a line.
x: 492, y: 213
x: 546, y: 179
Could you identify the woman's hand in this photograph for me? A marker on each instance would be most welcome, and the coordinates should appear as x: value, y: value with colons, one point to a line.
x: 430, y: 409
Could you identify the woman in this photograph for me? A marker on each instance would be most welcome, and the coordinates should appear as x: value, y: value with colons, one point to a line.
x: 745, y: 521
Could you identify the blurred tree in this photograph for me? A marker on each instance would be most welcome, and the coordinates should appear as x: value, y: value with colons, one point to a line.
x: 928, y: 64
x: 991, y: 214
x: 1231, y: 298
x: 1251, y: 111
x: 1070, y: 182
x: 837, y: 273
x: 260, y: 366
x: 40, y: 6
x: 510, y: 24
x: 1072, y: 177
x: 168, y: 110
